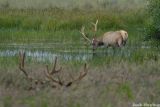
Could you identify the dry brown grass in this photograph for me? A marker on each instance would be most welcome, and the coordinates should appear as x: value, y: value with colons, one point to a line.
x: 118, y: 85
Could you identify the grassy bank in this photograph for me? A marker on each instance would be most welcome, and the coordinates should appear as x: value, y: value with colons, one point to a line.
x: 51, y: 25
x: 71, y: 4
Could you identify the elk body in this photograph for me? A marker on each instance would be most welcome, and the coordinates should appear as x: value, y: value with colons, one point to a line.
x: 108, y: 39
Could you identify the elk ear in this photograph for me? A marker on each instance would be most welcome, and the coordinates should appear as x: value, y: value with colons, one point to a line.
x: 94, y: 38
x: 92, y: 41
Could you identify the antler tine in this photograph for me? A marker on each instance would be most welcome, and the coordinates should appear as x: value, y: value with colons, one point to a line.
x: 49, y: 75
x: 81, y: 76
x: 22, y: 56
x: 83, y: 34
x: 54, y: 67
x: 97, y: 22
x: 82, y: 30
x: 95, y: 25
x: 20, y: 60
x: 47, y: 69
x: 21, y: 63
x: 52, y: 79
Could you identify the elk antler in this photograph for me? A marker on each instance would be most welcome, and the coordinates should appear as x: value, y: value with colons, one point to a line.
x: 49, y: 75
x: 54, y: 67
x: 83, y: 34
x: 33, y: 81
x: 21, y: 64
x: 61, y: 83
x: 80, y: 77
x: 95, y: 25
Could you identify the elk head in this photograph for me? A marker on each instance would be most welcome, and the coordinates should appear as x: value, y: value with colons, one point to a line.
x: 95, y: 42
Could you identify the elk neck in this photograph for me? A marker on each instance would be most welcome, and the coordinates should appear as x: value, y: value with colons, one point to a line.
x: 98, y: 41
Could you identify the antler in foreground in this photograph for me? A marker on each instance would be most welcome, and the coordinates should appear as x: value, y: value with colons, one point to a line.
x: 62, y: 83
x: 54, y: 68
x: 34, y: 82
x: 50, y: 75
x: 81, y: 76
x: 21, y: 65
x: 52, y: 78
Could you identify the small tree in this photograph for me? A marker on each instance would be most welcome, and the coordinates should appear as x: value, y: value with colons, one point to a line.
x: 153, y: 29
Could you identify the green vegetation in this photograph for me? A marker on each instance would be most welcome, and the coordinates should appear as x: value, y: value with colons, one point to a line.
x: 62, y: 25
x: 116, y: 77
x: 72, y: 4
x: 153, y: 28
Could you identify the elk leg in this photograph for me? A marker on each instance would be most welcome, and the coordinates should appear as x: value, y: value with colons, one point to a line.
x: 120, y: 43
x: 94, y: 53
x: 124, y: 43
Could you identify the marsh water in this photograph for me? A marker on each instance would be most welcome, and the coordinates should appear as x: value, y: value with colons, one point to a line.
x: 48, y: 51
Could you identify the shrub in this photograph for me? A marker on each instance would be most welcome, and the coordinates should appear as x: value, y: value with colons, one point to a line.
x: 153, y: 28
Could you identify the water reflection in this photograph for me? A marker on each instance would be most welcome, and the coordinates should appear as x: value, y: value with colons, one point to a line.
x: 43, y: 56
x: 48, y: 52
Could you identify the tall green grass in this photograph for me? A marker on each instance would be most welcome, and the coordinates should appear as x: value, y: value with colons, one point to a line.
x: 64, y: 25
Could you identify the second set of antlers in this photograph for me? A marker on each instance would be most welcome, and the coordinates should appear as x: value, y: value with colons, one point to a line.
x: 83, y: 33
x: 50, y: 74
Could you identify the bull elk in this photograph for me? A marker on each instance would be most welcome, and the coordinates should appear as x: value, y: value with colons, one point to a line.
x: 108, y: 39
